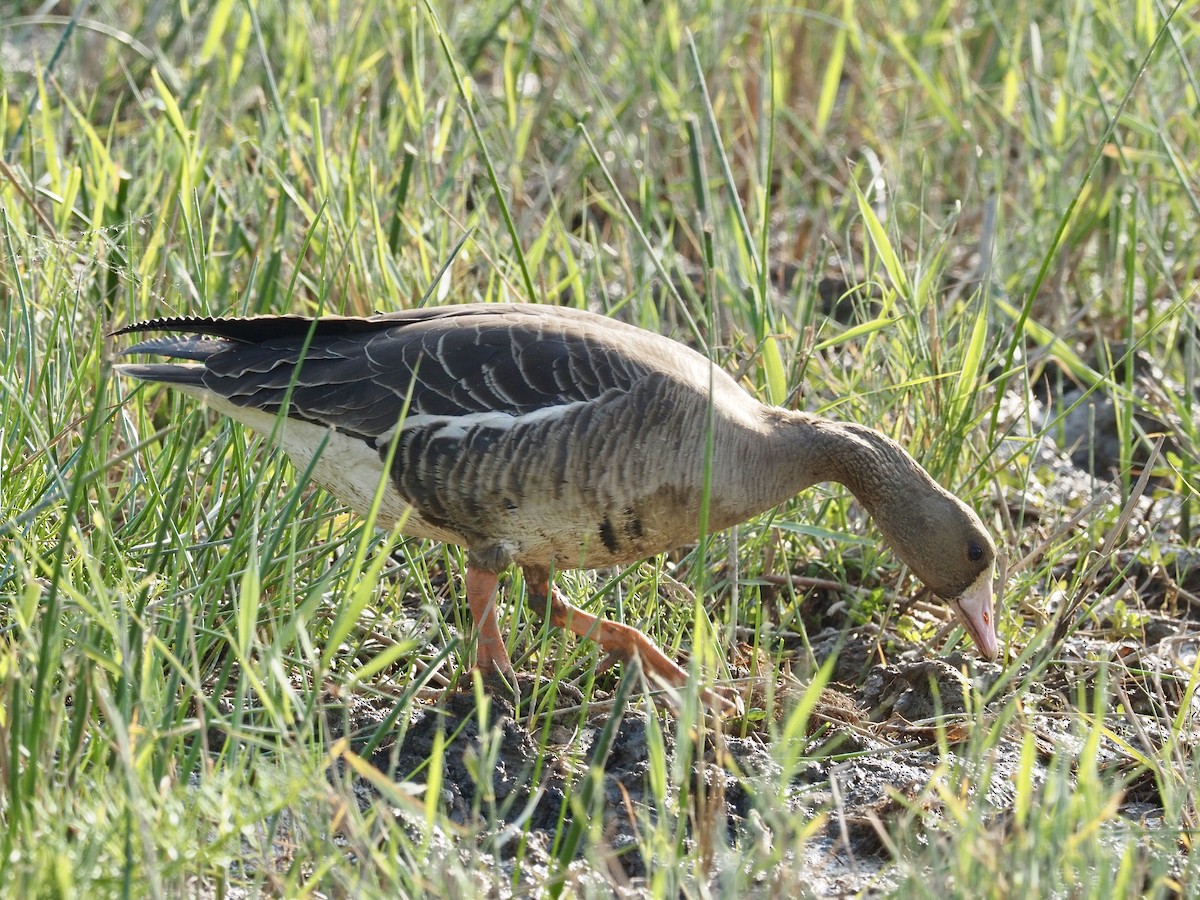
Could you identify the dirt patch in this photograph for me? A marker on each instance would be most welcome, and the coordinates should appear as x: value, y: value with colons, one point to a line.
x: 868, y: 756
x: 497, y: 771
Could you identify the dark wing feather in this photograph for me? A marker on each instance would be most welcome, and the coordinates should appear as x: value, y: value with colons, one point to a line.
x: 357, y: 374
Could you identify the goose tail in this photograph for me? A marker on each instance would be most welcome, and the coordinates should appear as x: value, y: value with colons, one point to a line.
x: 190, y: 349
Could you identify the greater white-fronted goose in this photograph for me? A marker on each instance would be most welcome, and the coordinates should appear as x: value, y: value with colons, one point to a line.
x: 553, y: 438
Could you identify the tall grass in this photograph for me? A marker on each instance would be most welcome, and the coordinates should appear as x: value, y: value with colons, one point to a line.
x: 989, y: 187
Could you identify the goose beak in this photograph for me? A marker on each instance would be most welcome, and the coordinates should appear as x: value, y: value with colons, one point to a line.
x: 977, y: 615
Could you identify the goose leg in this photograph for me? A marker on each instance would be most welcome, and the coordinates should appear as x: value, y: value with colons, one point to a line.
x: 491, y: 657
x: 620, y: 641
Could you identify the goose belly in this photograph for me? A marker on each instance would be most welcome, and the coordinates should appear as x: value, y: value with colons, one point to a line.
x: 580, y: 489
x: 559, y: 491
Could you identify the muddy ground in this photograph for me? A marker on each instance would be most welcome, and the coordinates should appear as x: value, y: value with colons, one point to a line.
x: 878, y: 714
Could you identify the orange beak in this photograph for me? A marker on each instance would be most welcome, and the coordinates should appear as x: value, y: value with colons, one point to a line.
x: 977, y: 615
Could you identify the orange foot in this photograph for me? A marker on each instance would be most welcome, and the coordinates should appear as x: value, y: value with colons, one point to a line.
x: 491, y: 657
x: 620, y: 641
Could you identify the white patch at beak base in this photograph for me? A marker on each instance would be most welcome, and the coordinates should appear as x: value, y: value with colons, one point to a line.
x: 977, y: 615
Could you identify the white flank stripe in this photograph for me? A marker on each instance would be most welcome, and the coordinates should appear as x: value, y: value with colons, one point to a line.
x: 456, y: 427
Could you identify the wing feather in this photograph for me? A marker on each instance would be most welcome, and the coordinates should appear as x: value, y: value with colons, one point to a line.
x: 356, y: 375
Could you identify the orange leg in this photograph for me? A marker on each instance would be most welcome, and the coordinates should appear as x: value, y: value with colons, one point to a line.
x: 491, y: 657
x: 620, y: 641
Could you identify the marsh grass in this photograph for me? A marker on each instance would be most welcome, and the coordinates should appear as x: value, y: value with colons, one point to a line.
x: 184, y: 620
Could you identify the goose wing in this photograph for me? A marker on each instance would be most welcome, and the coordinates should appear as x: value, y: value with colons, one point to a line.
x: 361, y: 376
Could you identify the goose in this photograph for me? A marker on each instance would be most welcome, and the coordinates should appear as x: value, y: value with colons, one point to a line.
x: 552, y: 438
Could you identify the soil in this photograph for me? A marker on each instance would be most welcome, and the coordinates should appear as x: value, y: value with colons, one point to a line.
x: 868, y: 753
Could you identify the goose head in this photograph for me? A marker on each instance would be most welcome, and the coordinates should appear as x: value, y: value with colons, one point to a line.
x: 939, y: 537
x: 945, y: 545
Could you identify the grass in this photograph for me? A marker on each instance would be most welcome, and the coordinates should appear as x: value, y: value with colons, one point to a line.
x: 1000, y: 190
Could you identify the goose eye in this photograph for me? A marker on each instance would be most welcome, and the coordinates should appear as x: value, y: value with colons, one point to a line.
x: 974, y: 552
